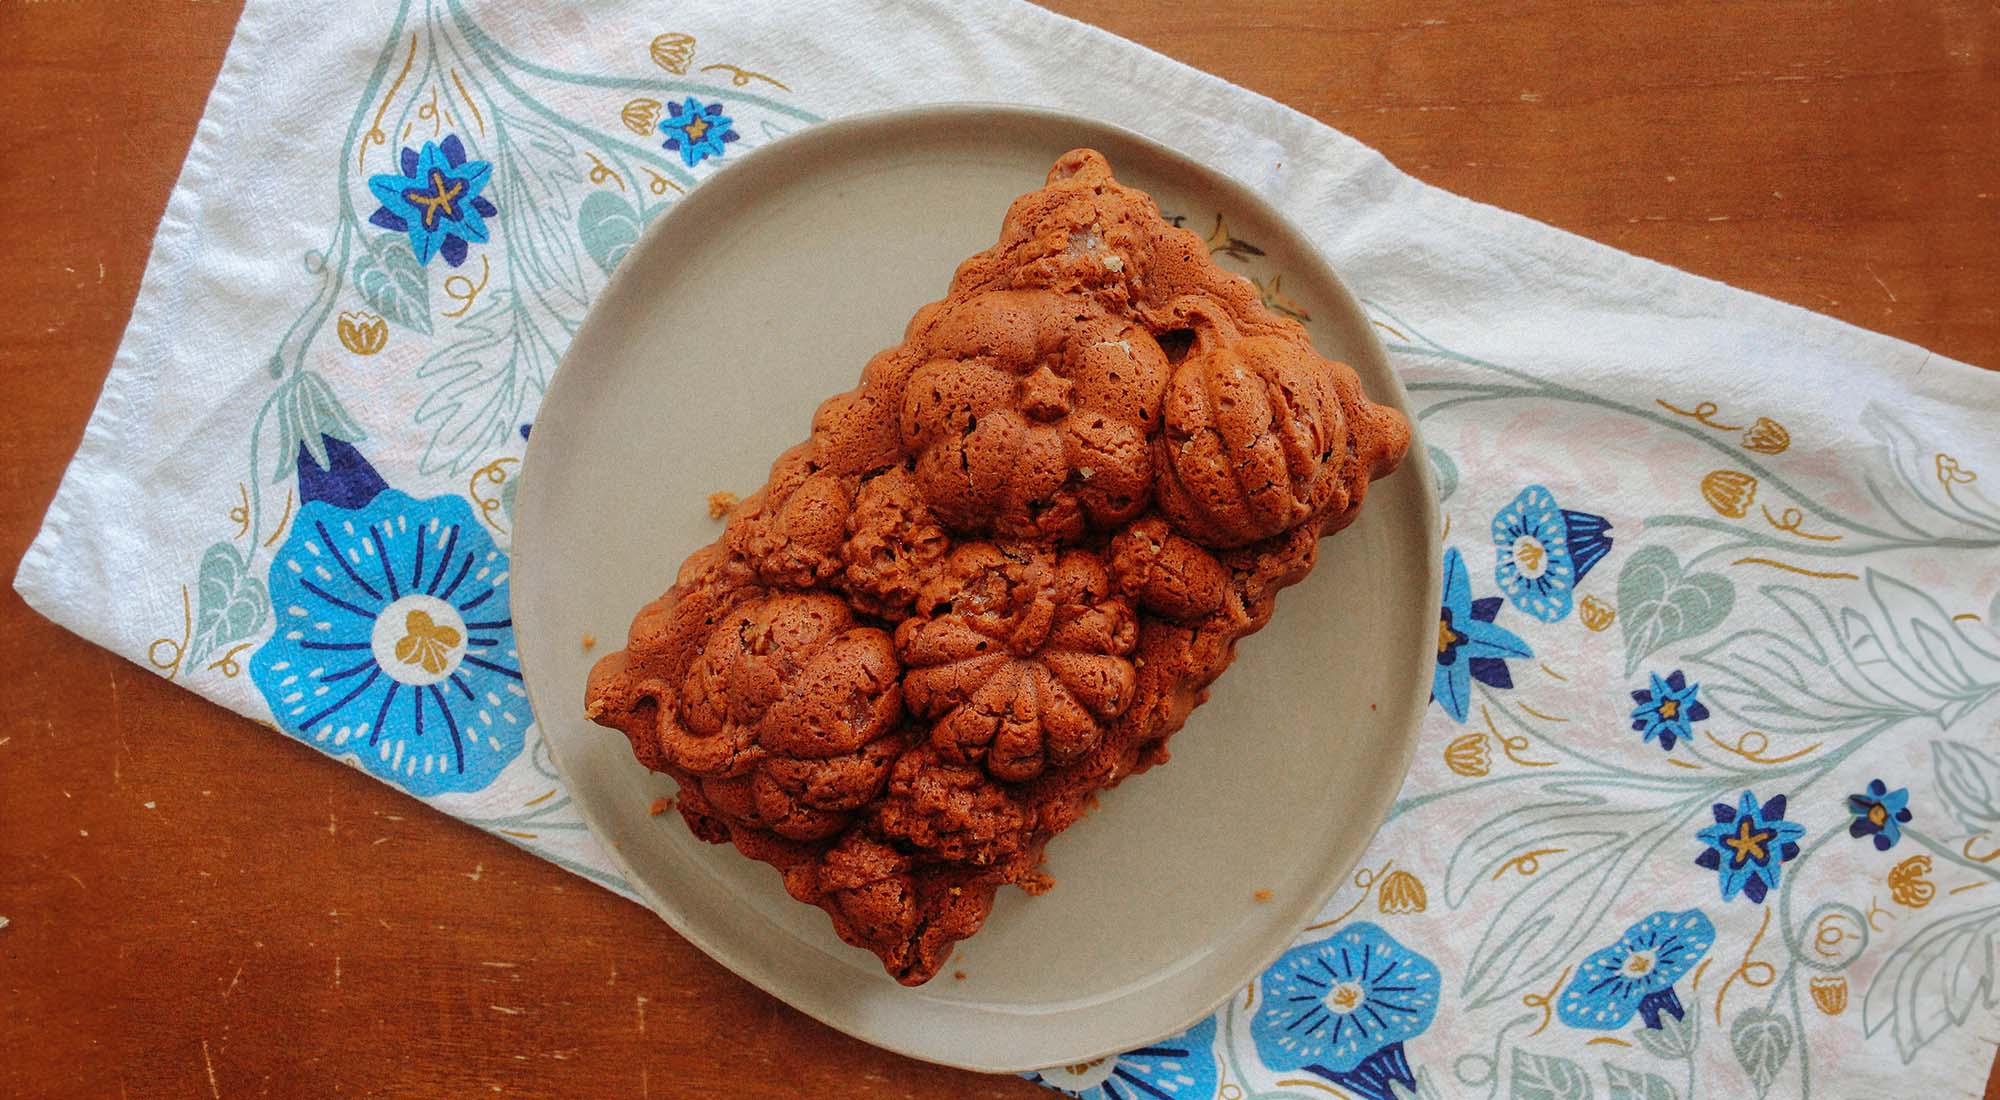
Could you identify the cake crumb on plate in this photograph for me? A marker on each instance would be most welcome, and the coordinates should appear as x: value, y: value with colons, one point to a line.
x: 1262, y: 895
x: 721, y: 504
x: 660, y: 806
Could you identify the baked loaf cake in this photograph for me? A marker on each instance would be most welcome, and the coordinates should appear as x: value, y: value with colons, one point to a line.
x: 1000, y: 572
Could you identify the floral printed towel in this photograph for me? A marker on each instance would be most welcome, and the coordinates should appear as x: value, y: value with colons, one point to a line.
x: 1708, y: 801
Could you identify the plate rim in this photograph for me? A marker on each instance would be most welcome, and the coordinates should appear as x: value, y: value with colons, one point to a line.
x: 1235, y: 193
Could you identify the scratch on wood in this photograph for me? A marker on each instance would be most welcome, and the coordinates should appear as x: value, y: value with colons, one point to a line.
x: 639, y: 1005
x: 478, y: 871
x: 234, y: 978
x: 209, y: 1063
x: 505, y: 1009
x: 1878, y: 280
x: 501, y: 965
x: 336, y: 972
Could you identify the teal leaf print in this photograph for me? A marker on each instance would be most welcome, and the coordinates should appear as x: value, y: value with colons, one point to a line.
x: 608, y: 226
x: 1546, y: 1077
x: 230, y: 603
x: 536, y: 172
x: 1445, y: 471
x: 1565, y: 855
x: 306, y: 411
x: 1934, y: 980
x: 1762, y: 1041
x: 1814, y: 672
x: 1968, y: 779
x: 1909, y: 635
x: 1627, y: 1084
x: 482, y: 382
x: 1660, y: 604
x: 389, y: 278
x: 1673, y: 1040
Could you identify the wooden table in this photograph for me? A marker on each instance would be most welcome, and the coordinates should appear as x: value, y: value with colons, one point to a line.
x: 202, y: 909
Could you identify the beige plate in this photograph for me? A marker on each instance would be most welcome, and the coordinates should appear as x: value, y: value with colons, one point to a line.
x: 760, y: 294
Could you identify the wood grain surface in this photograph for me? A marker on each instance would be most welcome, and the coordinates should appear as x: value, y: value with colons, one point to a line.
x: 199, y: 908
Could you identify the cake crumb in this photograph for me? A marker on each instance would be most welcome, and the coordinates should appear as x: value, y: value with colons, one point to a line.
x: 958, y: 975
x: 660, y: 806
x: 593, y: 708
x: 721, y: 504
x: 589, y: 640
x: 1036, y: 883
x: 1262, y: 895
x: 957, y: 891
x: 1371, y: 706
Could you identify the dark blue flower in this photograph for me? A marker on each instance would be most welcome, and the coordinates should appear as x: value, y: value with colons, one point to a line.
x: 1879, y: 812
x: 1668, y: 710
x: 436, y: 200
x: 696, y: 131
x: 1636, y: 975
x: 1542, y: 552
x: 1342, y: 1008
x: 1469, y: 646
x: 394, y: 643
x: 1180, y: 1068
x: 1748, y: 846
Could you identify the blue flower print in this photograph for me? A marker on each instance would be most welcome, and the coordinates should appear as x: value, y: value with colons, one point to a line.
x: 1668, y: 710
x: 436, y: 200
x: 1748, y: 846
x: 1470, y: 647
x: 697, y: 132
x: 394, y: 643
x: 1543, y: 551
x: 1342, y: 1008
x: 1180, y: 1068
x: 1636, y: 975
x: 1879, y: 812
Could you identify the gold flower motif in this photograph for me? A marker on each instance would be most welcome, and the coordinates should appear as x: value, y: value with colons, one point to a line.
x: 641, y: 115
x: 1909, y: 884
x: 362, y: 333
x: 426, y: 643
x: 1468, y: 756
x: 1766, y: 437
x: 1950, y: 473
x: 1596, y: 614
x: 672, y: 52
x: 1830, y: 994
x: 1401, y: 892
x: 1729, y: 492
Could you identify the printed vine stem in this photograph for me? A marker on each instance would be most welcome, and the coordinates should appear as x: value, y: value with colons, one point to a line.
x: 333, y: 266
x: 1529, y: 386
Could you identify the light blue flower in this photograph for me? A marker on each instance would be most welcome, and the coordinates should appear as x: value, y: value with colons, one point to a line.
x: 1542, y: 552
x: 394, y: 645
x: 696, y: 131
x: 1180, y: 1068
x: 1879, y: 812
x: 1668, y: 710
x: 1748, y: 846
x: 436, y: 200
x: 1636, y: 975
x: 1342, y: 1008
x: 1469, y: 646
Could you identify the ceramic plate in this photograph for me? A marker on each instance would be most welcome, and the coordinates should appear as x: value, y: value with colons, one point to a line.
x: 760, y: 294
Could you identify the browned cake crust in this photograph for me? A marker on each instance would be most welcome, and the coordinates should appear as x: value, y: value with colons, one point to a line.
x: 1001, y: 571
